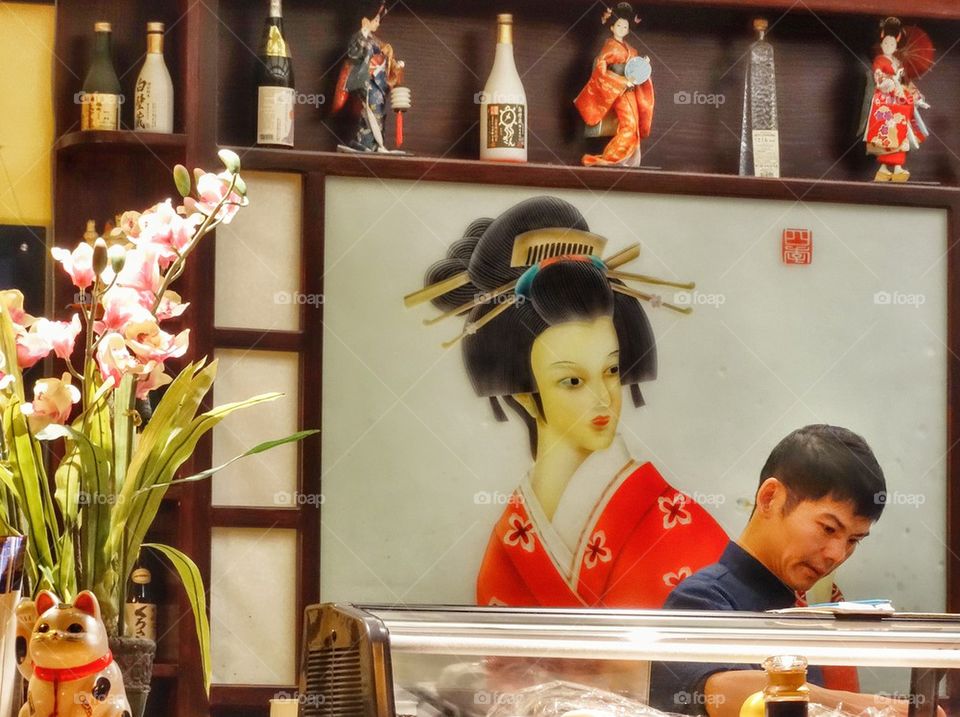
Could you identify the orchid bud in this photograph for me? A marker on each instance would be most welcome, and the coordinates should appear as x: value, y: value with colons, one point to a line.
x: 230, y: 160
x: 240, y: 186
x: 181, y: 178
x: 118, y: 257
x: 99, y: 256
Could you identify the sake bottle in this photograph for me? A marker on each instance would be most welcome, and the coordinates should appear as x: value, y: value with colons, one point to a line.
x: 153, y: 95
x: 101, y: 97
x: 786, y: 693
x: 760, y: 136
x: 503, y: 104
x: 275, y: 92
x: 140, y: 610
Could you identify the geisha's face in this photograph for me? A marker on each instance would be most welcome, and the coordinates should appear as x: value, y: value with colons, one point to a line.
x: 576, y: 367
x: 889, y: 45
x: 621, y: 28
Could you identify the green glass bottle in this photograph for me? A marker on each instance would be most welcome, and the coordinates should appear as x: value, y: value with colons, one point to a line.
x: 101, y: 97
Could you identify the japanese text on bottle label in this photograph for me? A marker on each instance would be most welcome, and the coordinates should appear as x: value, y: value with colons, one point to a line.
x: 506, y: 126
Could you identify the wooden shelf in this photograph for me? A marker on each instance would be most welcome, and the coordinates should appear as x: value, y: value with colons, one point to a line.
x: 121, y: 138
x: 557, y: 176
x: 918, y: 8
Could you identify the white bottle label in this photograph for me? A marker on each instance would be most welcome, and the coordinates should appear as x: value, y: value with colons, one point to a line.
x: 506, y: 126
x: 766, y: 153
x: 275, y: 115
x: 99, y: 111
x: 140, y: 620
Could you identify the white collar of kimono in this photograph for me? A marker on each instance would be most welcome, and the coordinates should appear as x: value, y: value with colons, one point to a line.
x: 582, y: 503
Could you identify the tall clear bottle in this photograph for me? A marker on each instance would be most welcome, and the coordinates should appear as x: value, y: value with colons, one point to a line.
x: 153, y: 95
x: 760, y: 135
x: 275, y: 92
x: 101, y: 97
x: 503, y: 104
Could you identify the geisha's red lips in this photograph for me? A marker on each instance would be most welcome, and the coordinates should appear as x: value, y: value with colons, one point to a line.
x: 601, y: 421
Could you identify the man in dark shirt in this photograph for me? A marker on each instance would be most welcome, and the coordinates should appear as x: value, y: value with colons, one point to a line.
x: 820, y: 491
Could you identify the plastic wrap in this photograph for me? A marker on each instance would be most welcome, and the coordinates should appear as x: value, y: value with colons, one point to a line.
x: 568, y: 699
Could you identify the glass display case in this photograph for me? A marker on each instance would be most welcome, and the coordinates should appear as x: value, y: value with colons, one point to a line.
x: 383, y: 661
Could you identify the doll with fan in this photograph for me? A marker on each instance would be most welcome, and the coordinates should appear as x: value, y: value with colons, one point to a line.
x: 892, y: 124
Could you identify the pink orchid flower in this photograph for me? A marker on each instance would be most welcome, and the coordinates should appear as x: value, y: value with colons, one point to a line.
x: 31, y: 347
x: 153, y: 378
x: 114, y: 359
x: 130, y: 224
x: 163, y: 228
x: 150, y: 343
x: 121, y: 305
x: 141, y: 271
x: 78, y: 264
x: 11, y: 301
x: 211, y: 188
x: 60, y: 335
x: 53, y: 401
x: 171, y: 306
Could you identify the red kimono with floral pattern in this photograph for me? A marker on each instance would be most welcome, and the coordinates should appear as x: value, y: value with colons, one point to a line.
x: 893, y: 123
x: 605, y: 91
x: 641, y: 538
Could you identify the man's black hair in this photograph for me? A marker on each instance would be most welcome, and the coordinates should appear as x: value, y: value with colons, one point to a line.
x: 822, y: 461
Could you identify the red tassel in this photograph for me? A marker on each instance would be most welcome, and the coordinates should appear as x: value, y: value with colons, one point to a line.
x: 399, y: 129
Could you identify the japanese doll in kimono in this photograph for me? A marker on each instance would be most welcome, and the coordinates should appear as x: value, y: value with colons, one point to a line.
x: 611, y: 89
x: 367, y: 76
x: 892, y: 125
x: 555, y: 333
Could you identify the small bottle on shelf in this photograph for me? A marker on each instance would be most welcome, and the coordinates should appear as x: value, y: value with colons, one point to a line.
x: 503, y: 103
x: 759, y: 135
x: 140, y: 610
x: 153, y: 95
x: 100, y: 97
x: 275, y: 92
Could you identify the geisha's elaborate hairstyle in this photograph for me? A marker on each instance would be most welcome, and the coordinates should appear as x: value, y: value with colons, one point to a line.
x: 892, y: 27
x: 535, y: 266
x: 621, y: 11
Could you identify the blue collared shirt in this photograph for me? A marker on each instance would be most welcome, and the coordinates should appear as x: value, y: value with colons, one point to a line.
x: 738, y: 581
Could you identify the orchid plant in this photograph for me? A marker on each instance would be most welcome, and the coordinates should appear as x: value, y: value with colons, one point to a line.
x: 111, y: 463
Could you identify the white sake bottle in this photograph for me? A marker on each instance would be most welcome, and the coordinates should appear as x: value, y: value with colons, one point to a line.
x: 153, y: 94
x: 503, y: 104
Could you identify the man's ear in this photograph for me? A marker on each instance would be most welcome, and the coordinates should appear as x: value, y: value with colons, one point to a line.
x: 529, y: 405
x: 768, y: 494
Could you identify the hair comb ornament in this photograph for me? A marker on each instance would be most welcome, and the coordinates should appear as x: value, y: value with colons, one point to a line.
x: 535, y: 250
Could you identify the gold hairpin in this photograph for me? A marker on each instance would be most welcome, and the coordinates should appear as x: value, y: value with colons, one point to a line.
x: 480, y: 299
x: 644, y: 279
x: 654, y: 300
x: 473, y: 327
x: 429, y: 293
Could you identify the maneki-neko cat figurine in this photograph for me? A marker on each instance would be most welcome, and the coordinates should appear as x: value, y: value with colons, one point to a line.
x: 620, y: 84
x: 892, y: 125
x: 68, y: 661
x: 368, y: 77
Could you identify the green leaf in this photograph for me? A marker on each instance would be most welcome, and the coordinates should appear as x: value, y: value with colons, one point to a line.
x: 8, y: 347
x: 193, y: 585
x: 181, y: 177
x: 260, y: 448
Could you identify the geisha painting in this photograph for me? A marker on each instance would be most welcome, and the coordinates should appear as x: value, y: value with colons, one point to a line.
x: 554, y: 337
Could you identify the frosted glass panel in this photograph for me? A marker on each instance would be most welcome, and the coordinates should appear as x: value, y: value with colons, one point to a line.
x: 258, y: 257
x: 269, y: 479
x: 253, y: 606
